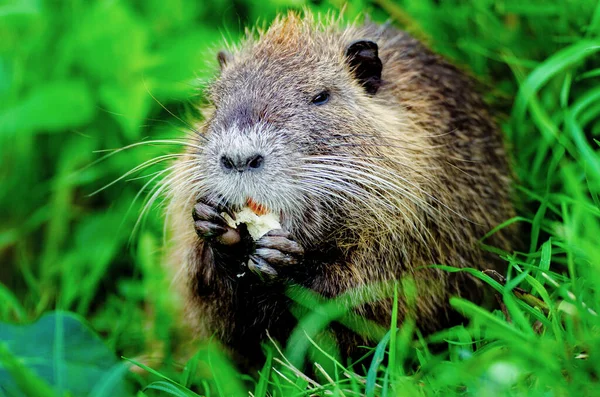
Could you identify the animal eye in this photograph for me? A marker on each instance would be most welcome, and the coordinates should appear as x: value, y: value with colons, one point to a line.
x: 321, y: 98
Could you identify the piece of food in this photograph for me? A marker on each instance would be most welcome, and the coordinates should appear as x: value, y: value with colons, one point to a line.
x: 257, y: 208
x: 258, y: 225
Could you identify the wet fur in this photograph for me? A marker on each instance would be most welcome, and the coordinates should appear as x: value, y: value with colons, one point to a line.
x: 374, y: 187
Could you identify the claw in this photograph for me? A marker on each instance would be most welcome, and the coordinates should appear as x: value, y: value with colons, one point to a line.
x: 280, y: 243
x: 227, y: 210
x: 275, y: 256
x: 205, y: 212
x: 260, y: 266
x: 277, y: 233
x: 209, y: 223
x: 208, y: 229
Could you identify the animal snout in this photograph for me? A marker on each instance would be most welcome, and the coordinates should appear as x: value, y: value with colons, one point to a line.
x: 242, y: 163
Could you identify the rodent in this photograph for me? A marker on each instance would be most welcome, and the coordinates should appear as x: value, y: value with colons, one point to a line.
x: 379, y: 156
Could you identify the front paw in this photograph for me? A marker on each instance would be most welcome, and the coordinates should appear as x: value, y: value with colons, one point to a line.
x: 275, y: 250
x: 210, y: 225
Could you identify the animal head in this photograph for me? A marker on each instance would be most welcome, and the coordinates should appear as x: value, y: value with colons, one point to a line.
x: 294, y: 126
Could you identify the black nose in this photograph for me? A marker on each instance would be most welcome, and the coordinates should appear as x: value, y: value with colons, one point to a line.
x: 241, y: 164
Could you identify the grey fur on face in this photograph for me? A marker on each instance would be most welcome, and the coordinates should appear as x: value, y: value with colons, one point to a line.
x: 274, y: 184
x: 239, y: 144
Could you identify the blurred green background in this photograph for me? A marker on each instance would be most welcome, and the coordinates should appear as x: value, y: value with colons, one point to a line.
x: 81, y: 78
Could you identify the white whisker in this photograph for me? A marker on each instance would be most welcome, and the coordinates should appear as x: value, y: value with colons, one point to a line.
x: 137, y: 168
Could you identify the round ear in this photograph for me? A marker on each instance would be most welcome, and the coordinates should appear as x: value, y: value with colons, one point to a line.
x: 224, y: 58
x: 363, y: 58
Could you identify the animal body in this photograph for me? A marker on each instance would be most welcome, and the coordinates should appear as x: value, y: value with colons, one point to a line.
x: 379, y: 158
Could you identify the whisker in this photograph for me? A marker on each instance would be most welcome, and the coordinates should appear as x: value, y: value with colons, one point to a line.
x: 382, y: 159
x: 367, y: 197
x: 191, y: 127
x: 137, y: 168
x: 137, y: 144
x: 152, y: 142
x: 366, y: 177
x: 370, y: 174
x: 157, y: 190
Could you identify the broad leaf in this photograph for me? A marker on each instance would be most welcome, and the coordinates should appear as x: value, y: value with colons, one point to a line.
x: 64, y: 353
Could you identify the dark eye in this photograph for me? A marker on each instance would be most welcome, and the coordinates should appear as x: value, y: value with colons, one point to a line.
x: 321, y: 98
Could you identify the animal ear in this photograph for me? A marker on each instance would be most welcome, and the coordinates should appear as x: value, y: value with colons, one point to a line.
x: 224, y: 58
x: 363, y: 58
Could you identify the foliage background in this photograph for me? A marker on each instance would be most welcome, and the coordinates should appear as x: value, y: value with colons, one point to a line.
x: 81, y: 77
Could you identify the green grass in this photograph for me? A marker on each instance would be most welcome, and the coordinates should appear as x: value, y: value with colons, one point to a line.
x: 78, y: 78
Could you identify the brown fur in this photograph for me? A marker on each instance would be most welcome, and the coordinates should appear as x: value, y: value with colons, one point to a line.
x: 426, y: 126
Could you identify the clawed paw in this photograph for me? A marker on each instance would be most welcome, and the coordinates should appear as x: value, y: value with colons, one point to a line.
x: 209, y: 224
x: 275, y: 250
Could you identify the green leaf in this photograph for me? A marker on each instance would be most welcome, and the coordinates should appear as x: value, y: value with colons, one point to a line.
x: 541, y: 75
x: 111, y: 381
x: 264, y: 374
x: 160, y: 385
x: 23, y: 379
x: 545, y: 259
x: 19, y: 8
x: 375, y: 363
x: 64, y: 353
x: 128, y: 103
x: 110, y: 42
x: 10, y: 303
x: 168, y: 388
x: 57, y: 106
x: 500, y: 328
